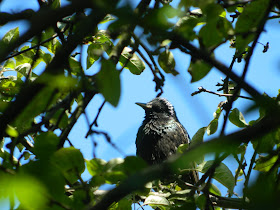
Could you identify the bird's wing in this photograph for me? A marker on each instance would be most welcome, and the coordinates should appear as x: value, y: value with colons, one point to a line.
x: 180, y: 136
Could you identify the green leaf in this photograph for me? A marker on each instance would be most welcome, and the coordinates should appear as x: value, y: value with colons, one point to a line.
x: 10, y: 63
x: 169, y: 11
x: 133, y: 164
x: 247, y: 22
x: 95, y: 166
x: 167, y: 62
x: 45, y: 145
x: 182, y: 148
x: 212, y: 127
x: 11, y: 36
x: 210, y: 35
x: 75, y: 66
x: 265, y: 163
x: 198, y: 137
x: 123, y: 204
x: 201, y: 201
x: 53, y: 44
x: 29, y: 56
x: 23, y: 69
x: 266, y: 143
x: 26, y: 155
x: 237, y: 118
x: 11, y: 131
x: 214, y: 189
x: 55, y: 4
x: 107, y: 18
x: 38, y: 104
x: 185, y: 27
x: 157, y: 201
x: 47, y: 58
x: 114, y: 177
x: 45, y: 171
x: 70, y: 162
x: 110, y: 172
x: 108, y: 82
x: 94, y: 52
x: 30, y: 192
x: 114, y: 171
x: 99, y: 43
x: 198, y: 70
x: 222, y: 174
x: 61, y: 118
x: 131, y: 61
x: 113, y: 164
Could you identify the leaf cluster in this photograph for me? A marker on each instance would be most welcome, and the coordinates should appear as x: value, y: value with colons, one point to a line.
x: 42, y: 169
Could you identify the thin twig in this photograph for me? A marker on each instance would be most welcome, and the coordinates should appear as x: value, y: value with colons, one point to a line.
x: 158, y: 81
x: 240, y: 167
x: 30, y: 48
x: 108, y: 139
x: 253, y: 159
x: 247, y: 62
x: 202, y: 89
x: 92, y: 139
x: 95, y: 119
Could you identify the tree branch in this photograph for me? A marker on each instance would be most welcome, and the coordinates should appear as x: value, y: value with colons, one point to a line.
x: 202, y: 89
x: 227, y: 143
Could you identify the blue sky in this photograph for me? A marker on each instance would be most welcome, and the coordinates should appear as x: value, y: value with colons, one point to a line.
x: 194, y: 112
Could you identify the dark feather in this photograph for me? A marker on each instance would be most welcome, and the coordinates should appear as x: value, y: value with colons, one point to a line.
x: 160, y: 134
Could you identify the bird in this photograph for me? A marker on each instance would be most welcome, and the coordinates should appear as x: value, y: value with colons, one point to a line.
x: 160, y: 134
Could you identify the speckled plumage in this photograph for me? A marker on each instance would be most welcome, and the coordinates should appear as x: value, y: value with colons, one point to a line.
x: 161, y: 133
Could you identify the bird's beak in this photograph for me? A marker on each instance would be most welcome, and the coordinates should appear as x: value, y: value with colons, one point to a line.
x: 143, y: 105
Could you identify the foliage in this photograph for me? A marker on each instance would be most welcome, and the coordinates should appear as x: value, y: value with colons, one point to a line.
x: 39, y: 110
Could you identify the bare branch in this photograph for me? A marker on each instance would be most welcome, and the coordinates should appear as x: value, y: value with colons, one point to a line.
x: 202, y: 89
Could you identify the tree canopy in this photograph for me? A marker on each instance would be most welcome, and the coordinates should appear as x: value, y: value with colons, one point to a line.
x: 45, y: 88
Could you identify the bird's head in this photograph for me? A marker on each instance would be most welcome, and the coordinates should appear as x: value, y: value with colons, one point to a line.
x: 158, y: 107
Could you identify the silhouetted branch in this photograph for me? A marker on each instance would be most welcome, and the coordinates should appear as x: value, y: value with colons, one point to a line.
x: 227, y: 143
x: 202, y: 89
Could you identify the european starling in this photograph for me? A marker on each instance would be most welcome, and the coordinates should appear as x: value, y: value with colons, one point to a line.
x: 161, y: 133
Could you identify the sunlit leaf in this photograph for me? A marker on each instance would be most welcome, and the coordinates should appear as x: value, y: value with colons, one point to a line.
x: 30, y: 192
x: 11, y: 131
x: 222, y: 174
x: 95, y: 166
x: 237, y: 118
x: 214, y: 189
x: 198, y: 137
x: 10, y: 63
x: 11, y: 36
x: 265, y: 163
x: 75, y: 66
x: 131, y: 61
x: 70, y: 162
x: 108, y: 82
x: 94, y: 51
x: 247, y: 23
x: 107, y: 18
x: 167, y: 62
x: 212, y: 127
x: 157, y: 201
